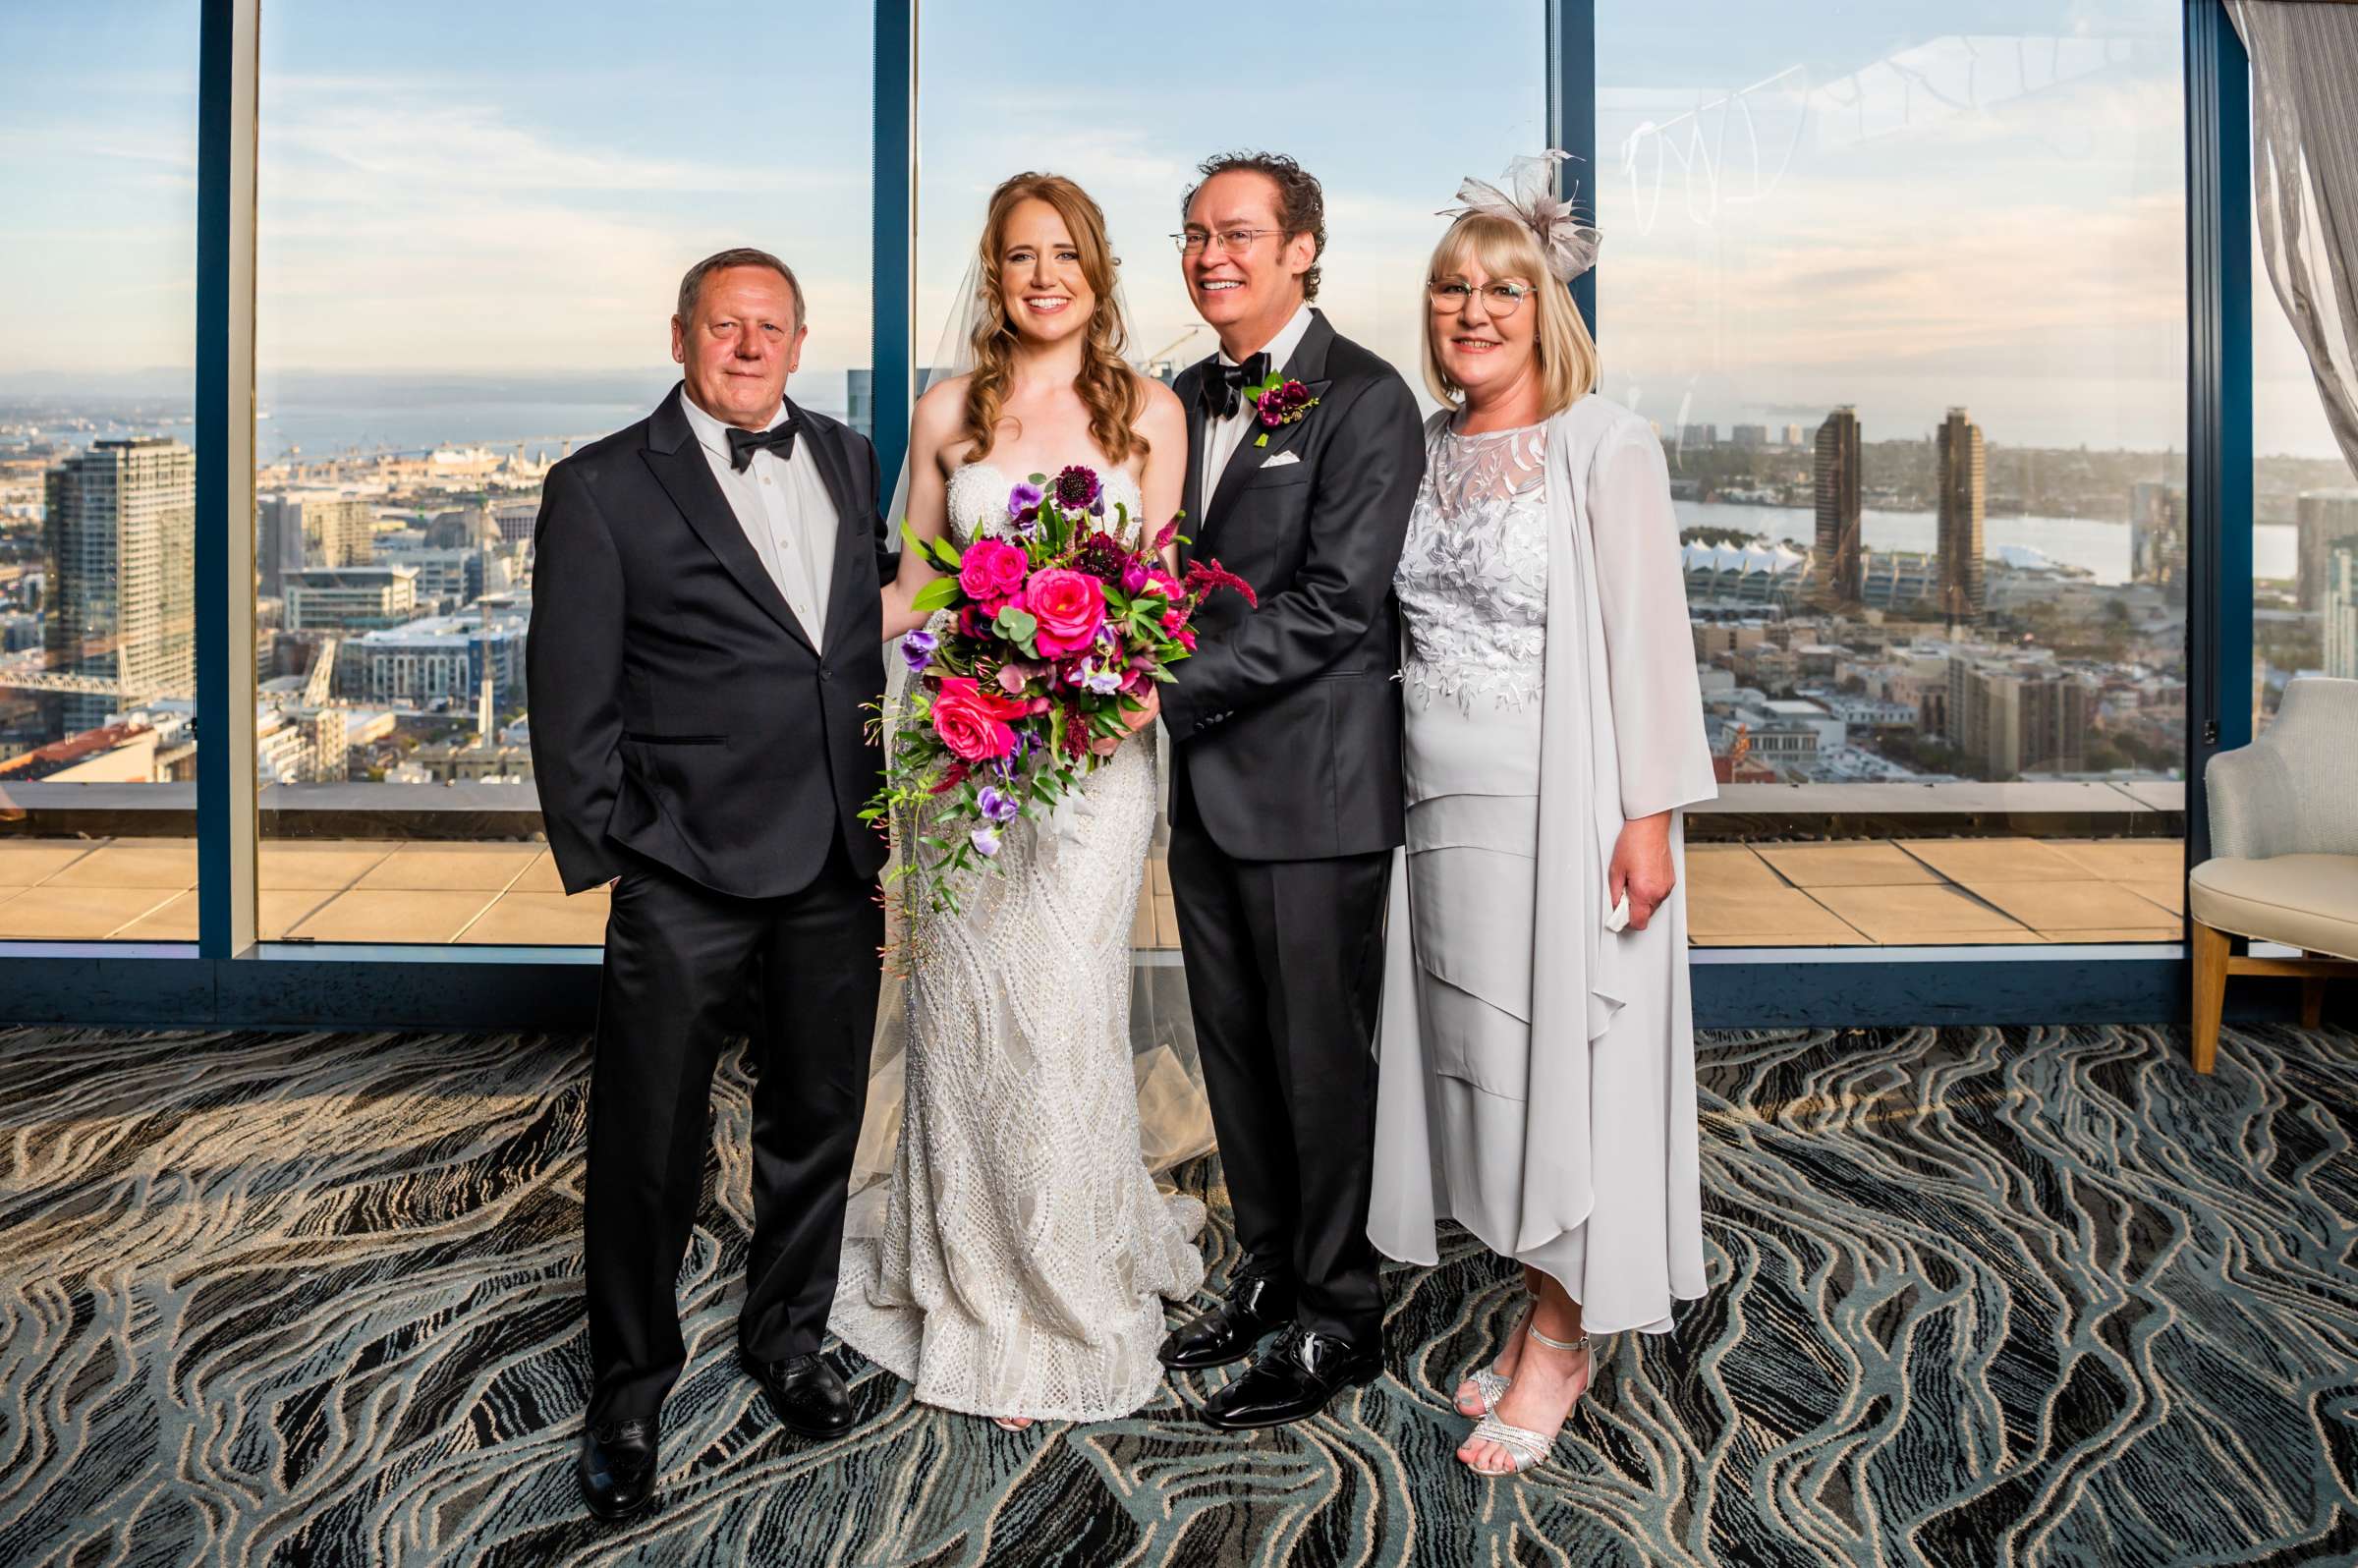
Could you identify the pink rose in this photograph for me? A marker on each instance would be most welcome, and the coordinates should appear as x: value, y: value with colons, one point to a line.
x: 972, y: 723
x: 1069, y: 606
x: 993, y: 569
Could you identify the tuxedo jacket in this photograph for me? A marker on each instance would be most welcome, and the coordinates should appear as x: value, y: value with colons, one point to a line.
x: 678, y: 707
x: 1287, y: 717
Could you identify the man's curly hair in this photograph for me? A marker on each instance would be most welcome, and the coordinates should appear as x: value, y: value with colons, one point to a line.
x: 1300, y: 202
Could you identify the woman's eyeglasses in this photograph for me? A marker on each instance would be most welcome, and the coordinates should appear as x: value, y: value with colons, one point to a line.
x: 1449, y: 297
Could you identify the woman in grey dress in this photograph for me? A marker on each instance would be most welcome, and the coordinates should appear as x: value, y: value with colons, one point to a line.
x: 1537, y: 1055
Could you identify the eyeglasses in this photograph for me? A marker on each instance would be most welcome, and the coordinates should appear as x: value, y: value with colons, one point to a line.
x: 1236, y: 242
x: 1503, y: 299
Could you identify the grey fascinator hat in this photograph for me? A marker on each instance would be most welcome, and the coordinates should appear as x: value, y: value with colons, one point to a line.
x: 1526, y: 193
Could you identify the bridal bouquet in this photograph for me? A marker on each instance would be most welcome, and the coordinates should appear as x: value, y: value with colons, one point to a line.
x: 1054, y: 629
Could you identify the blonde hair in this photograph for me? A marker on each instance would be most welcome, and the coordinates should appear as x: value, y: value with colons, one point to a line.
x: 1108, y: 387
x: 1569, y: 368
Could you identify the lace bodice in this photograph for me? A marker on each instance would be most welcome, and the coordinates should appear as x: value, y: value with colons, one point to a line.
x: 1473, y: 580
x: 977, y: 499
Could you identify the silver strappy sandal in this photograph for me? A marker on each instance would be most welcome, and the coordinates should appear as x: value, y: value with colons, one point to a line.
x: 1488, y: 1381
x: 1527, y: 1448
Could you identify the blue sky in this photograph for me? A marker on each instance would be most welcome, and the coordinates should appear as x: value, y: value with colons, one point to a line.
x: 1900, y: 204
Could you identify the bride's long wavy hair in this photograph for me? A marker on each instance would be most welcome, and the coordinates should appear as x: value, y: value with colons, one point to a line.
x: 1106, y: 384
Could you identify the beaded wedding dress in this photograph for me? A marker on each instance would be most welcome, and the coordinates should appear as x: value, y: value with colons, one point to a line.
x: 1026, y: 1250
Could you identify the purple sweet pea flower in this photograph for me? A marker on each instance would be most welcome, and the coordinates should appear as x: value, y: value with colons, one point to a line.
x: 1103, y: 682
x: 917, y: 650
x: 1024, y: 498
x: 985, y: 841
x: 998, y: 805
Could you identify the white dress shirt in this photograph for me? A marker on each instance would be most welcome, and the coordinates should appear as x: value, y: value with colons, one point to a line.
x: 785, y: 511
x: 1221, y: 438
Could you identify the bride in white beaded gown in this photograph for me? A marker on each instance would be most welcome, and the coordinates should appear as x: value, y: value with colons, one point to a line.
x: 1026, y: 1250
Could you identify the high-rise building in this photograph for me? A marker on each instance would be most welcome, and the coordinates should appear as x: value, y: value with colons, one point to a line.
x: 1749, y: 435
x: 1796, y: 436
x: 1837, y: 489
x: 298, y: 528
x: 860, y: 400
x: 1698, y: 435
x: 1964, y: 488
x: 2157, y: 537
x: 2012, y: 717
x: 2324, y: 517
x: 2340, y: 606
x: 120, y: 537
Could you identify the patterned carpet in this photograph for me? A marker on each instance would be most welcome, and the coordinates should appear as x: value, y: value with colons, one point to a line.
x: 1980, y: 1296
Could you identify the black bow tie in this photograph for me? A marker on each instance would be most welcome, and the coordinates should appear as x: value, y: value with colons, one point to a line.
x: 778, y: 438
x: 1224, y: 385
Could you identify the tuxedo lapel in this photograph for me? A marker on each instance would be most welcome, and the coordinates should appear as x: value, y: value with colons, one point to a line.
x: 1307, y: 366
x: 850, y: 523
x: 677, y: 461
x: 1189, y: 387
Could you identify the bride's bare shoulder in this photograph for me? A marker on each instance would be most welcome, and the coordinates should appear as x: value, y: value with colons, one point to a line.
x: 937, y: 424
x: 942, y: 405
x: 1160, y: 411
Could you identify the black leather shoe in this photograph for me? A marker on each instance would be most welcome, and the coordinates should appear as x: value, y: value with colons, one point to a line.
x: 806, y: 1392
x: 1256, y: 1303
x: 1293, y: 1379
x: 617, y: 1467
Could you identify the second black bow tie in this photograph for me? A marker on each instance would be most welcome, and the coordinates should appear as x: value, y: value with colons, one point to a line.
x: 1224, y: 385
x: 743, y: 444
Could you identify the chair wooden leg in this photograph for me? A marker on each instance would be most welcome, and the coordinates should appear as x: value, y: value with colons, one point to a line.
x: 2313, y: 1002
x: 2209, y: 966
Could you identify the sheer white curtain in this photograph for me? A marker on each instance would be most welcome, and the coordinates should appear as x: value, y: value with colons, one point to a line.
x: 2305, y: 182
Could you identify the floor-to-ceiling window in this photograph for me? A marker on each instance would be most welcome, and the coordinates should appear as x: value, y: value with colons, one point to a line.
x: 1902, y: 288
x: 97, y: 471
x: 2304, y: 517
x: 1390, y: 108
x: 1381, y: 105
x: 473, y: 220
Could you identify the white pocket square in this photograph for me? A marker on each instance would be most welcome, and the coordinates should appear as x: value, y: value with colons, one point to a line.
x: 1283, y: 459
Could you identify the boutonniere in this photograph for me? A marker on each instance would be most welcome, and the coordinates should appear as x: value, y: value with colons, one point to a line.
x: 1279, y: 401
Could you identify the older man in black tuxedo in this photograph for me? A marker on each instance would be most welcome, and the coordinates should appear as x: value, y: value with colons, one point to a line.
x: 706, y: 633
x: 1285, y: 793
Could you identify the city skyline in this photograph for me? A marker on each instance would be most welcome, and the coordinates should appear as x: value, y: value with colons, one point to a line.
x: 410, y: 206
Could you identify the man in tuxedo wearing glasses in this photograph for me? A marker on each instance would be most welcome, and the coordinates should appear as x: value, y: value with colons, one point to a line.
x: 706, y: 636
x: 1286, y: 797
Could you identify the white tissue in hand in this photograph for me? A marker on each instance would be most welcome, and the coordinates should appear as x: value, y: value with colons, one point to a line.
x: 1619, y: 915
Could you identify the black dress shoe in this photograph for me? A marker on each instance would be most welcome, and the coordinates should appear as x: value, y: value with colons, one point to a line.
x: 617, y: 1467
x: 1256, y: 1305
x: 806, y: 1394
x: 1293, y: 1379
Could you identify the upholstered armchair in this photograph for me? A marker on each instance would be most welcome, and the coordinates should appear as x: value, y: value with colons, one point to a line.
x: 2285, y: 856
